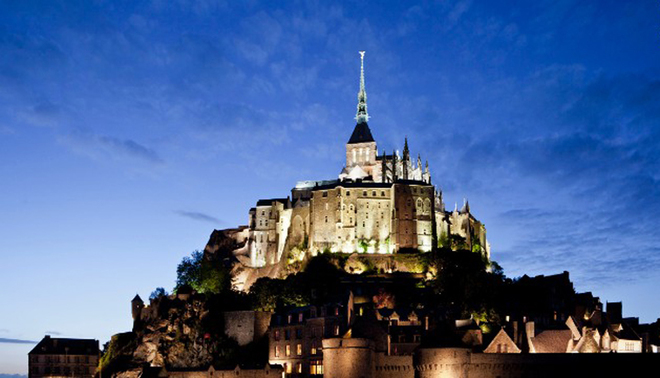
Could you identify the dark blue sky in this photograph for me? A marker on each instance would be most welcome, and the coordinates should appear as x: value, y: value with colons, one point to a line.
x: 130, y: 130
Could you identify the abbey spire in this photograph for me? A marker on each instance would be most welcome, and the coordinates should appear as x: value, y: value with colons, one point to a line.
x: 362, y: 115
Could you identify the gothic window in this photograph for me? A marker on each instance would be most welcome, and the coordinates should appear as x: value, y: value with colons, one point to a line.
x: 263, y: 213
x: 363, y: 224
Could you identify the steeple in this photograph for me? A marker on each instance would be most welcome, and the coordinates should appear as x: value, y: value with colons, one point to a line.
x: 406, y: 160
x: 362, y: 114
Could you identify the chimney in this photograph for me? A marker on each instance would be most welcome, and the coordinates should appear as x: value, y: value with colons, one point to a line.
x: 529, y: 329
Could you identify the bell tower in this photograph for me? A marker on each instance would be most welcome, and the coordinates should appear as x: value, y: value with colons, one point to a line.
x: 361, y: 148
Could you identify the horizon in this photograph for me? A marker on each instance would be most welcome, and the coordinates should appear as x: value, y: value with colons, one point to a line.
x: 130, y: 131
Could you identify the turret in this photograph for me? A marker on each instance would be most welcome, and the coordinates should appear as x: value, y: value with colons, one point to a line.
x: 406, y: 160
x: 136, y: 307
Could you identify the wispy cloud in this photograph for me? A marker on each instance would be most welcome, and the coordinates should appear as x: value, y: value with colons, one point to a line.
x: 198, y: 216
x: 108, y: 147
x: 16, y: 341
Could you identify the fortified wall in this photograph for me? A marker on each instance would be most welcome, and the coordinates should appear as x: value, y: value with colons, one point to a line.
x: 357, y: 358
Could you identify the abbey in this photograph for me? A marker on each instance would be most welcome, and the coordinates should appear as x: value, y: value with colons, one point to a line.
x: 380, y: 204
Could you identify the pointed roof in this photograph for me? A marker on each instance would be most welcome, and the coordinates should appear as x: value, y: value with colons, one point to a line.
x: 361, y: 134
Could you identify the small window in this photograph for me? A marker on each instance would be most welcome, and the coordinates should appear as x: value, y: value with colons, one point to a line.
x: 277, y: 350
x: 287, y: 350
x: 325, y: 194
x: 277, y: 335
x: 382, y: 193
x: 373, y: 193
x: 348, y: 193
x: 299, y: 349
x: 364, y: 193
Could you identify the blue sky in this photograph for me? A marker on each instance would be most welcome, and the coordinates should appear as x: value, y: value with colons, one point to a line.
x: 130, y: 130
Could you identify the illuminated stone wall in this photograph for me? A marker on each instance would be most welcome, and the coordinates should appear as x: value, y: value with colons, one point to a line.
x: 348, y: 358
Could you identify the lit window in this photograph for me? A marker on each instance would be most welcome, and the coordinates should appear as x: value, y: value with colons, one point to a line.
x: 336, y: 330
x: 299, y: 349
x: 287, y: 368
x: 277, y: 350
x: 316, y: 367
x: 287, y: 350
x: 299, y: 368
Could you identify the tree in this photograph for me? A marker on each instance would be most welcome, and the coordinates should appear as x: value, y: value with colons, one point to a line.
x: 159, y: 292
x: 203, y: 275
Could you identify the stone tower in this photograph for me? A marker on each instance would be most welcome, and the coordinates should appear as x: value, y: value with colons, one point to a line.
x: 136, y: 307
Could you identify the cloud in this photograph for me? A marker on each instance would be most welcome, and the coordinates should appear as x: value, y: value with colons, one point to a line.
x: 104, y: 147
x: 198, y: 216
x: 16, y: 341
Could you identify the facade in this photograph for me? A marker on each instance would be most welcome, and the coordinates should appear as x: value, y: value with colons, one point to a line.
x: 295, y: 336
x: 57, y: 357
x: 380, y: 203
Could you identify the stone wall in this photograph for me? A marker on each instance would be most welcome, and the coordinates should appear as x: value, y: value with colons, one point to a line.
x: 246, y: 326
x: 461, y: 363
x: 348, y: 358
x: 393, y: 366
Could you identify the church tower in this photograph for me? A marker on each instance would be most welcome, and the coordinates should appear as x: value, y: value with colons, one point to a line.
x: 361, y: 148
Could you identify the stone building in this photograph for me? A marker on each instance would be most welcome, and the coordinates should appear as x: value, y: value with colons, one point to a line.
x: 296, y: 335
x: 57, y: 357
x: 380, y: 203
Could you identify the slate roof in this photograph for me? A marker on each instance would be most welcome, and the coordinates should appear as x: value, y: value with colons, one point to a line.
x: 361, y: 134
x: 269, y: 202
x: 49, y: 345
